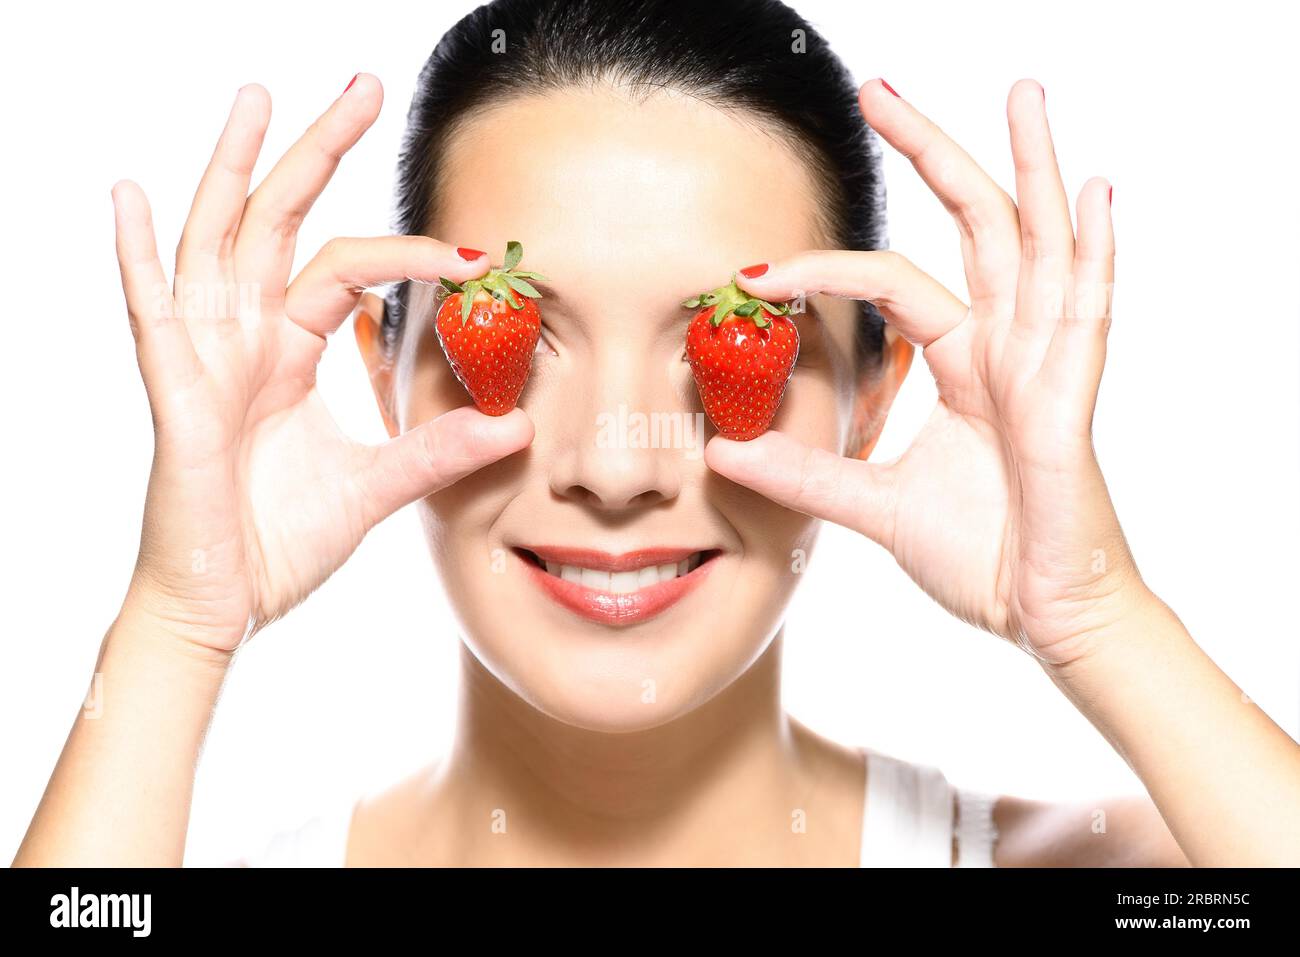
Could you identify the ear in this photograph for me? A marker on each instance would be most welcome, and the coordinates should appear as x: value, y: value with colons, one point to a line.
x: 368, y: 323
x: 877, y: 388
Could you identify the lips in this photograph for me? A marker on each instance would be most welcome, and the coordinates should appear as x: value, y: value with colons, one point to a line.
x: 616, y: 589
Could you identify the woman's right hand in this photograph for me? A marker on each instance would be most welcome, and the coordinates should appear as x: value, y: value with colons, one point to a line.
x: 255, y: 496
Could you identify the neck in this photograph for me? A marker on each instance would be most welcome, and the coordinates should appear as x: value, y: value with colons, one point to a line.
x: 718, y: 782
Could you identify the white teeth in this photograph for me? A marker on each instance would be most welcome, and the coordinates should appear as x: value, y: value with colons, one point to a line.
x: 624, y: 583
x: 595, y: 580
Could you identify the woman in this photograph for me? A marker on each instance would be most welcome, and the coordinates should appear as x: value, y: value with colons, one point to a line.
x: 643, y: 154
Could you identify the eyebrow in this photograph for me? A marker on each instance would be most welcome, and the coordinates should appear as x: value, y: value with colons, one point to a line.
x: 550, y: 295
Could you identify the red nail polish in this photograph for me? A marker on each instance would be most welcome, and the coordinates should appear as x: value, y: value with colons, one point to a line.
x: 351, y: 81
x: 888, y: 87
x: 1110, y: 196
x: 467, y: 254
x: 753, y: 272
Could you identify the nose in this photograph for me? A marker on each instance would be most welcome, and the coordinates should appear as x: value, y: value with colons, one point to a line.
x: 624, y: 436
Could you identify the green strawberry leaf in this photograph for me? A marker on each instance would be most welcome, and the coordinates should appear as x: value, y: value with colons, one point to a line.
x: 691, y: 303
x: 449, y: 285
x: 501, y: 290
x: 747, y: 308
x: 525, y: 274
x: 467, y: 303
x: 520, y: 286
x: 514, y: 253
x: 496, y: 285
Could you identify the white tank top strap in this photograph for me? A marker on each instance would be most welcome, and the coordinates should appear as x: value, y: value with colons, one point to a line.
x: 907, y: 817
x: 320, y: 841
x: 977, y: 834
x: 912, y: 813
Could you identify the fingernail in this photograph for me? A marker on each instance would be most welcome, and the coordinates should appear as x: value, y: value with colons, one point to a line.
x: 753, y: 272
x: 469, y: 255
x: 886, y: 85
x: 1110, y: 196
x: 351, y: 81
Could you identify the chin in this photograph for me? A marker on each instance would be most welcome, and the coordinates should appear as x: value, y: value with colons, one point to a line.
x: 616, y: 661
x: 614, y: 689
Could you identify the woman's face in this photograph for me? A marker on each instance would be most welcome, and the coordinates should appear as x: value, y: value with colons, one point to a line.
x: 628, y: 207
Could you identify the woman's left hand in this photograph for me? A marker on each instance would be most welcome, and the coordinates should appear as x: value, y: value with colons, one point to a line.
x: 998, y: 509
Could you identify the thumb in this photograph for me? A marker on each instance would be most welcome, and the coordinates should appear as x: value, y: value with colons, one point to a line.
x: 437, y: 453
x: 849, y: 492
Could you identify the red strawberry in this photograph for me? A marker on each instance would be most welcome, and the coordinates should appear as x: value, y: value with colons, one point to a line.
x: 742, y: 351
x: 488, y: 329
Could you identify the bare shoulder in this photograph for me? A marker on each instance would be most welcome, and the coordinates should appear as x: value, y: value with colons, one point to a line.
x: 384, y: 824
x: 1125, y: 831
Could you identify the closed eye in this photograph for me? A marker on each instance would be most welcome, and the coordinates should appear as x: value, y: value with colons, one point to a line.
x: 544, y: 346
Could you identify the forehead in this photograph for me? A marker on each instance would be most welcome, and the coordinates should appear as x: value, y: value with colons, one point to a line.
x: 600, y: 173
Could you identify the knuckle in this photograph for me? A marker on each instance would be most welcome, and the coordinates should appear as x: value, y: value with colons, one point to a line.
x: 985, y: 216
x: 334, y: 250
x: 429, y: 451
x: 891, y: 267
x: 426, y: 244
x: 280, y: 222
x: 815, y: 477
x: 895, y: 262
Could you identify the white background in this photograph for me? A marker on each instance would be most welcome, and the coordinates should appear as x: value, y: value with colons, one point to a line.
x: 1191, y: 114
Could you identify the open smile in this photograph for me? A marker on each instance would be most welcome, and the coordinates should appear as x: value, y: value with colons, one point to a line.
x: 620, y: 589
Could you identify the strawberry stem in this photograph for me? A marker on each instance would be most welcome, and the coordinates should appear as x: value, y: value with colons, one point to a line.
x: 504, y: 283
x: 731, y: 298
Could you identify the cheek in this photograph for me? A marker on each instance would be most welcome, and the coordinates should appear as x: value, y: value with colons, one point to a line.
x: 816, y: 405
x: 778, y: 541
x: 457, y: 519
x: 775, y: 541
x: 426, y: 386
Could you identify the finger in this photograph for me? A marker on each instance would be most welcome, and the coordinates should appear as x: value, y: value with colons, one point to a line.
x: 1046, y: 235
x: 848, y: 492
x: 265, y: 243
x: 437, y: 453
x: 915, y: 303
x: 163, y: 344
x: 1094, y: 258
x: 209, y: 234
x: 327, y: 289
x: 1077, y: 352
x: 984, y: 213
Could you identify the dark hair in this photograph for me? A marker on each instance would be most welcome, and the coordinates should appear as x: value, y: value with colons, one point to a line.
x: 757, y: 56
